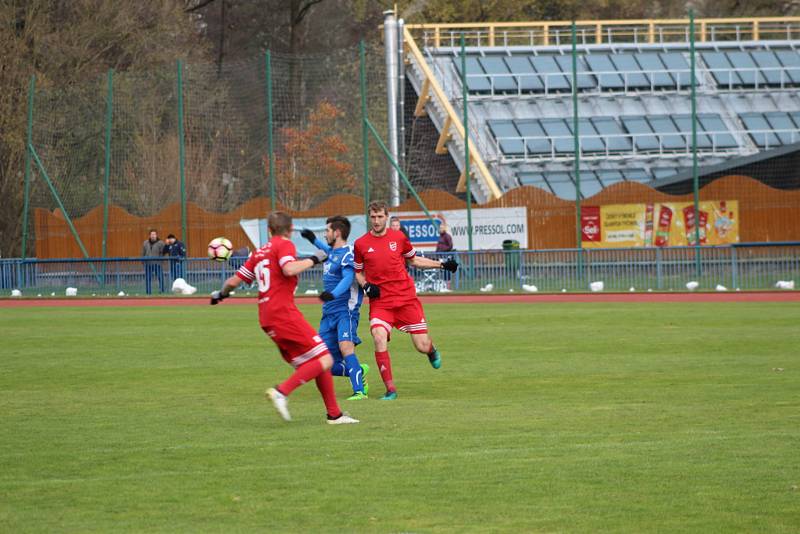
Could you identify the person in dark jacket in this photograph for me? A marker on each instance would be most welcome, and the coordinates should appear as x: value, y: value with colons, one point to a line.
x: 445, y: 244
x: 177, y: 253
x: 153, y: 247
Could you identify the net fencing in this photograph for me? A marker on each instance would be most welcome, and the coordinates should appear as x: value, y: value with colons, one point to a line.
x: 189, y: 153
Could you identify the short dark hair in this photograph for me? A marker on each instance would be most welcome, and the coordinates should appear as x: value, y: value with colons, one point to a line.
x: 394, y: 218
x: 341, y: 223
x: 378, y: 205
x: 171, y: 236
x: 152, y: 230
x: 279, y: 222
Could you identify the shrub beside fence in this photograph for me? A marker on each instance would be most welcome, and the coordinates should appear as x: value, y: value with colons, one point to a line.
x: 742, y: 266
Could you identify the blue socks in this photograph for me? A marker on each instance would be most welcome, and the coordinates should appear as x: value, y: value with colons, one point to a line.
x: 354, y: 372
x: 338, y: 368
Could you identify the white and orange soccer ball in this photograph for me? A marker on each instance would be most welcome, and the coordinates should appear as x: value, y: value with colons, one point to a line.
x: 220, y: 249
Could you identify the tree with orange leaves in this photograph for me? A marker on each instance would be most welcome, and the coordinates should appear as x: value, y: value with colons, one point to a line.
x: 311, y: 163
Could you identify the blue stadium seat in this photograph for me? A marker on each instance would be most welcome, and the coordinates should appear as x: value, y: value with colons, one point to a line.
x: 610, y: 177
x: 780, y: 120
x: 791, y: 60
x: 760, y: 130
x: 552, y: 77
x: 625, y: 63
x: 684, y: 123
x: 590, y: 185
x: 721, y: 70
x: 661, y: 172
x: 559, y: 128
x: 748, y: 71
x: 599, y: 63
x: 655, y: 71
x: 636, y: 175
x: 501, y: 79
x: 679, y: 68
x: 531, y: 128
x: 795, y: 115
x: 561, y: 184
x: 713, y: 123
x: 617, y: 139
x: 590, y: 140
x: 475, y: 82
x: 667, y: 132
x: 585, y: 81
x: 771, y: 68
x: 639, y: 128
x: 535, y: 179
x: 527, y: 80
x: 506, y: 128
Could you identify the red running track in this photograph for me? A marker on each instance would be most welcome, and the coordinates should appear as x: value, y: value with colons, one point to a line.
x: 745, y: 296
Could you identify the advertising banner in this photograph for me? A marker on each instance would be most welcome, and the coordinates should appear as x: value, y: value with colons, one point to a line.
x: 660, y: 224
x: 490, y: 227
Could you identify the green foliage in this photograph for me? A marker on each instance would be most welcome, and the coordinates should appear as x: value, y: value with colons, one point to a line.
x: 544, y: 417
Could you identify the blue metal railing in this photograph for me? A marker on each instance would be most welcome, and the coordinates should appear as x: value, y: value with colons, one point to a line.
x: 746, y: 266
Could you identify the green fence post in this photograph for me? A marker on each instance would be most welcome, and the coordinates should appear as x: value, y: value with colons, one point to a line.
x: 107, y: 169
x: 577, y: 140
x: 467, y: 178
x: 695, y: 179
x: 28, y: 144
x: 182, y: 153
x: 364, y: 124
x: 270, y: 148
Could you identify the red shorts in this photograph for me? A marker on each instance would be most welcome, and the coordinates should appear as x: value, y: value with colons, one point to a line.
x: 297, y: 340
x: 406, y: 317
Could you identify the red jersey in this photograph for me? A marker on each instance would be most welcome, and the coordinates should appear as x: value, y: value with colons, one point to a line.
x: 383, y: 262
x: 275, y: 289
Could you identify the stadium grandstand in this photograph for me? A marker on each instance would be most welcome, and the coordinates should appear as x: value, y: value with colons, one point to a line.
x: 633, y: 100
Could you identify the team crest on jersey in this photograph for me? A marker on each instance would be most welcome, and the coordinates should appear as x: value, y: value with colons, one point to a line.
x: 393, y: 245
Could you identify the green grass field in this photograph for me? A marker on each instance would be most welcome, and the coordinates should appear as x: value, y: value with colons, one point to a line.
x: 544, y: 417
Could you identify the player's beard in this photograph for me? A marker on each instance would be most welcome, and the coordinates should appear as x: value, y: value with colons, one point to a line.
x: 380, y: 230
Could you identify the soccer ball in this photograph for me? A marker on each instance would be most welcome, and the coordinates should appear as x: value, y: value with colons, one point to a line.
x: 219, y: 249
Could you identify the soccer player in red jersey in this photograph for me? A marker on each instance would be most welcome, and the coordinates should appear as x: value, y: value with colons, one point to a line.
x: 275, y: 267
x: 380, y: 260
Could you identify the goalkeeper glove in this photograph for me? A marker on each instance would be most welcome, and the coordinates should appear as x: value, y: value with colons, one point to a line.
x: 218, y: 296
x: 450, y: 265
x: 308, y: 234
x: 326, y: 296
x: 371, y: 290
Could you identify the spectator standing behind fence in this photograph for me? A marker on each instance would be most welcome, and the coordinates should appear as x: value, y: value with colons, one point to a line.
x: 394, y: 224
x: 445, y: 244
x: 153, y: 247
x: 177, y: 253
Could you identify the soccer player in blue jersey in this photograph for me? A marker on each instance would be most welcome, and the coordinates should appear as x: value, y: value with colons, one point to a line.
x: 341, y: 303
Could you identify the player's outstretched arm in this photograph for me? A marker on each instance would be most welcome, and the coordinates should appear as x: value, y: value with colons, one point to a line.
x: 426, y: 263
x: 299, y: 265
x: 230, y: 284
x: 348, y: 275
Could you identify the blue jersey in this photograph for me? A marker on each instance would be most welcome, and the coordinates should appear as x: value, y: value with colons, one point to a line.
x: 339, y: 278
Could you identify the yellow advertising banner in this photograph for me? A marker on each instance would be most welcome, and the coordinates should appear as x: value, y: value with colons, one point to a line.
x: 663, y: 224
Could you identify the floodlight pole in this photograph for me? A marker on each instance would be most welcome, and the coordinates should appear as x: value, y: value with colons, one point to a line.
x: 390, y: 46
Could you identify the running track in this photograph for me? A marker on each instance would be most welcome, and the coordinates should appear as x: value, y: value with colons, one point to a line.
x: 766, y: 296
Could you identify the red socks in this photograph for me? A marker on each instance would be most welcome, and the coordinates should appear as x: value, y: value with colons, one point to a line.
x: 385, y: 368
x: 325, y: 387
x: 305, y: 373
x: 313, y: 371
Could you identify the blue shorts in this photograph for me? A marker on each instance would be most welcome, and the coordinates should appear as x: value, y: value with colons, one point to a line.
x: 334, y: 328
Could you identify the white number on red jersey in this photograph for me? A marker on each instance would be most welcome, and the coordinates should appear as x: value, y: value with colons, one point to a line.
x: 262, y: 276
